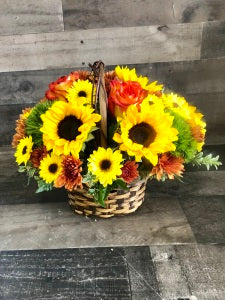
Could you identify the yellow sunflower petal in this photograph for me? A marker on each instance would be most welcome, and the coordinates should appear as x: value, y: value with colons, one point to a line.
x: 105, y: 165
x: 23, y: 150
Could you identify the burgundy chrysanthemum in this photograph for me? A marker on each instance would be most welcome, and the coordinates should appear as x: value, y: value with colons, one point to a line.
x: 129, y: 171
x: 70, y: 176
x: 37, y: 155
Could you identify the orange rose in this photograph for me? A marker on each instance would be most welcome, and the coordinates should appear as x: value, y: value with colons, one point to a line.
x: 58, y: 88
x: 123, y: 94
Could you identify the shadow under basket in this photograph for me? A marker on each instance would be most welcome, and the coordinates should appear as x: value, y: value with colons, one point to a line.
x: 118, y: 203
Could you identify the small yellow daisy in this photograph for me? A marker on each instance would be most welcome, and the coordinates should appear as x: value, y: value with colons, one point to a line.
x: 50, y: 167
x: 105, y: 165
x: 23, y: 150
x: 80, y: 91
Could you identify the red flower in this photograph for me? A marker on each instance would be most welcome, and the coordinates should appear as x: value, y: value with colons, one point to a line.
x: 58, y: 88
x: 129, y: 171
x: 123, y: 94
x: 169, y: 165
x: 70, y: 176
x: 37, y: 155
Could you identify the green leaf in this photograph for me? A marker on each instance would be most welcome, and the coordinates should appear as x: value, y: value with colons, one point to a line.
x: 43, y: 186
x: 89, y: 178
x: 103, y: 193
x: 94, y: 128
x: 34, y: 121
x: 208, y: 161
x: 119, y: 183
x: 31, y: 172
x: 22, y: 169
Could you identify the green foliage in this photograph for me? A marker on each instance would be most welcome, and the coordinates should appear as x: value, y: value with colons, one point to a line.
x: 186, y: 145
x: 112, y: 128
x: 34, y: 122
x: 208, y: 161
x: 145, y: 168
x: 98, y: 191
x: 42, y: 185
x: 29, y: 170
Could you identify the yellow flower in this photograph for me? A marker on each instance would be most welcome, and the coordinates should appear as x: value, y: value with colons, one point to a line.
x: 125, y: 74
x: 146, y: 133
x: 66, y: 127
x: 23, y: 150
x: 105, y: 165
x: 80, y: 91
x: 177, y: 104
x: 50, y: 167
x: 189, y: 113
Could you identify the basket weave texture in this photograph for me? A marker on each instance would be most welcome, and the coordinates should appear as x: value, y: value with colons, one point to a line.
x: 118, y: 203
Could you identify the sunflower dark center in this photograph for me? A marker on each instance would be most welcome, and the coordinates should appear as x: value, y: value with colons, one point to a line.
x: 143, y: 134
x: 68, y: 128
x: 24, y: 150
x: 105, y: 164
x: 82, y: 94
x: 53, y: 168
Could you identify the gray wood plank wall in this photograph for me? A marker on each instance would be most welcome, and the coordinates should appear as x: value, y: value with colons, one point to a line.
x: 181, y: 43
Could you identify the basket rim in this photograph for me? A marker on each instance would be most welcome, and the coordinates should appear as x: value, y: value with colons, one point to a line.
x: 129, y: 186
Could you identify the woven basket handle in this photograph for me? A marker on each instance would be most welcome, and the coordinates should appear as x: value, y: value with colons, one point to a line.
x: 101, y: 99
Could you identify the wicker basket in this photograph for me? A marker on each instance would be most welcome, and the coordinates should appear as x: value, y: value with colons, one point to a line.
x: 118, y: 203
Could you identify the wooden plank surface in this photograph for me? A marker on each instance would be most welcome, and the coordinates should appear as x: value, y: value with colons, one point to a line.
x: 175, y: 42
x: 213, y: 40
x: 206, y: 217
x: 8, y: 116
x: 20, y: 17
x: 94, y: 273
x: 114, y: 13
x: 54, y: 225
x: 205, y: 76
x: 190, y: 271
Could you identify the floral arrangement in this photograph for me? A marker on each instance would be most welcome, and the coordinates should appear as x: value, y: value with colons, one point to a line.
x: 149, y: 134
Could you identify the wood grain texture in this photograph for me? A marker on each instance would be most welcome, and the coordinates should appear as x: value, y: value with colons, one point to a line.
x: 54, y: 225
x: 174, y: 42
x: 213, y: 40
x: 95, y: 273
x: 8, y: 116
x: 21, y: 17
x: 188, y: 77
x: 206, y: 217
x: 190, y: 271
x: 114, y: 13
x: 205, y: 76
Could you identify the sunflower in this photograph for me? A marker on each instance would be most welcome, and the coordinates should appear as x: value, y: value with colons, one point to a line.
x: 147, y: 132
x: 125, y: 74
x: 105, y: 165
x: 177, y: 104
x: 195, y: 119
x: 50, y: 168
x: 66, y: 127
x: 80, y: 90
x: 23, y: 150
